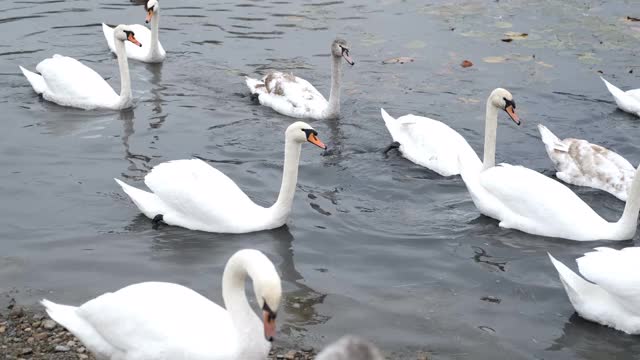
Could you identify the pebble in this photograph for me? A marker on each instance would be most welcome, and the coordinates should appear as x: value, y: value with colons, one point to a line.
x: 61, y: 348
x: 48, y: 324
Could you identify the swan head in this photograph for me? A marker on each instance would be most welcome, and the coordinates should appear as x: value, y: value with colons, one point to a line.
x: 151, y: 7
x: 124, y: 33
x: 268, y: 290
x: 302, y: 132
x: 340, y: 49
x: 502, y: 99
x: 350, y: 348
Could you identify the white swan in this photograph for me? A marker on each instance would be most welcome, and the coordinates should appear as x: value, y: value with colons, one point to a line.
x: 579, y: 162
x: 196, y: 196
x: 526, y: 200
x: 165, y: 321
x: 628, y: 101
x: 430, y: 143
x: 296, y: 97
x: 151, y: 51
x: 611, y: 297
x: 67, y: 82
x: 350, y: 348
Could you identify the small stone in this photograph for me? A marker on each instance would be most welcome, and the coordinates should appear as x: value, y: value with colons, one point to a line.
x: 83, y: 356
x: 38, y: 317
x: 81, y: 350
x: 26, y: 351
x: 49, y: 324
x: 16, y: 312
x: 71, y: 343
x: 307, y: 349
x: 3, y: 329
x: 290, y: 355
x: 30, y: 340
x: 41, y: 336
x: 61, y: 348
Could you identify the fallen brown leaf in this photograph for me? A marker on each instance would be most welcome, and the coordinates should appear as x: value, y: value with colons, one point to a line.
x: 399, y: 60
x: 631, y: 18
x: 466, y: 64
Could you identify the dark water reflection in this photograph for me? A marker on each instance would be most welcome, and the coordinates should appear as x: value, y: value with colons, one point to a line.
x: 376, y: 245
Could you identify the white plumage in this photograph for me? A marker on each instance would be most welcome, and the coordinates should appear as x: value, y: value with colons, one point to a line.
x: 579, y: 162
x: 151, y: 50
x: 611, y: 296
x: 196, y: 196
x: 296, y: 97
x: 429, y: 143
x: 628, y: 101
x: 68, y: 82
x: 165, y: 321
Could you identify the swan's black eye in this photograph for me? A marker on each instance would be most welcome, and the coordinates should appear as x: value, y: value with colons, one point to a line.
x: 272, y: 314
x: 308, y: 133
x: 508, y: 103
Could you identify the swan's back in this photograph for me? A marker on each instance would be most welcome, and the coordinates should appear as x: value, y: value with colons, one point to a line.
x: 429, y: 143
x: 201, y: 196
x: 159, y: 321
x: 615, y: 271
x: 581, y: 163
x: 71, y: 83
x: 534, y: 203
x: 289, y: 95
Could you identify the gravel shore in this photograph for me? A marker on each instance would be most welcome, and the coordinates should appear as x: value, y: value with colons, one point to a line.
x: 27, y: 333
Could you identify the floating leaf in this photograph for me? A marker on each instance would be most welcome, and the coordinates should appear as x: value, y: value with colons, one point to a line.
x: 631, y: 18
x: 494, y: 59
x: 507, y: 40
x: 399, y: 60
x: 515, y: 35
x: 466, y: 64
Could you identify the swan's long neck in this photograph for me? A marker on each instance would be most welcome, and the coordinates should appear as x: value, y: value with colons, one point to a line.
x: 626, y: 226
x: 336, y: 78
x: 154, y: 48
x: 490, y: 129
x: 282, y: 207
x: 234, y: 295
x: 125, y: 79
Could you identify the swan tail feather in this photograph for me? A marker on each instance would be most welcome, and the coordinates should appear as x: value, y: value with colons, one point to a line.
x: 70, y: 318
x: 108, y: 35
x: 573, y: 284
x: 617, y: 93
x: 36, y: 80
x: 388, y: 119
x: 551, y: 140
x: 148, y: 203
x: 255, y: 86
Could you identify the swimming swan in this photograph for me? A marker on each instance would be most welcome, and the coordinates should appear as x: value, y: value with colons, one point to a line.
x: 526, y: 200
x: 610, y: 296
x: 296, y: 97
x: 151, y: 51
x: 197, y: 196
x: 67, y: 82
x: 165, y: 321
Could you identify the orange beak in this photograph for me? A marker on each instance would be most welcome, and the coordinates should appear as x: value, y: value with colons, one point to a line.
x: 269, y: 325
x: 133, y: 40
x: 149, y: 16
x: 315, y: 141
x: 512, y: 114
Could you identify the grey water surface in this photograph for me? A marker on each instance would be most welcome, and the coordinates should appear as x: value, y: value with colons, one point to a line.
x: 376, y: 246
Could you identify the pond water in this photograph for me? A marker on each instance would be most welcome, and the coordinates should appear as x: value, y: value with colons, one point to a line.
x: 376, y: 246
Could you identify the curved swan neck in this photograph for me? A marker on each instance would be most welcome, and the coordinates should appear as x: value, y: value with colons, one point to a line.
x: 336, y: 78
x: 629, y: 219
x: 125, y: 79
x: 490, y: 129
x: 154, y: 47
x: 233, y: 288
x: 282, y: 206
